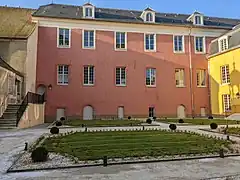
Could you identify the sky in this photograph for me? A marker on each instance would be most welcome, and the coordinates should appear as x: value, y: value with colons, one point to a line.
x: 216, y: 8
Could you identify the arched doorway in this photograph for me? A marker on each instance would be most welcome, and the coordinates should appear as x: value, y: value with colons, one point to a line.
x: 87, y: 113
x: 41, y: 89
x: 120, y: 112
x: 181, y: 112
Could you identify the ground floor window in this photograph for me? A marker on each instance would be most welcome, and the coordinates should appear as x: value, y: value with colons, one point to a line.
x: 151, y: 111
x: 226, y: 102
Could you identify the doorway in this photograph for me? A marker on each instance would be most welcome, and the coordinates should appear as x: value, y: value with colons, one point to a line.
x: 120, y: 112
x: 181, y: 112
x: 87, y: 113
x: 60, y: 113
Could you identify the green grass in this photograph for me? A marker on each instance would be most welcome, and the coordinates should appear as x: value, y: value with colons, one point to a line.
x: 199, y: 121
x: 233, y: 130
x: 102, y: 123
x: 95, y: 145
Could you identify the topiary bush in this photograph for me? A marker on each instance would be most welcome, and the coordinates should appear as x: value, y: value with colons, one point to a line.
x: 213, y: 126
x: 181, y: 121
x: 54, y: 130
x: 210, y: 117
x: 58, y: 123
x: 173, y: 127
x: 62, y: 119
x: 39, y: 154
x: 129, y: 117
x: 149, y: 121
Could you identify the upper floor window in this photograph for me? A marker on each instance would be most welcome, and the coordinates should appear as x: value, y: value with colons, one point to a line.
x: 63, y: 37
x: 121, y: 76
x: 198, y: 20
x: 179, y: 77
x: 199, y: 45
x: 62, y: 75
x: 201, y: 78
x: 89, y: 39
x: 178, y: 43
x: 150, y: 42
x: 151, y: 77
x: 149, y: 17
x: 88, y: 75
x: 223, y: 44
x: 120, y: 40
x: 88, y: 12
x: 226, y: 102
x: 225, y: 77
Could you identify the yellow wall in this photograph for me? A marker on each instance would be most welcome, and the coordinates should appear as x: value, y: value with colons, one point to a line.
x: 217, y: 89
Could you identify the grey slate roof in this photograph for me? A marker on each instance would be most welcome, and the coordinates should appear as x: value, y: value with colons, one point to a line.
x: 129, y: 16
x: 233, y: 40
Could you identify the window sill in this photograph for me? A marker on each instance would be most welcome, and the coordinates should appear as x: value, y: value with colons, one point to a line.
x: 88, y: 85
x: 200, y: 52
x: 180, y: 86
x: 63, y: 47
x: 179, y: 52
x: 201, y: 86
x: 150, y: 50
x: 151, y: 86
x: 121, y: 85
x: 224, y: 84
x: 89, y: 48
x: 62, y: 84
x: 116, y: 49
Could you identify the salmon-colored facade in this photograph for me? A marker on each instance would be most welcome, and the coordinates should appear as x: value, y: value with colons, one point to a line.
x: 104, y: 96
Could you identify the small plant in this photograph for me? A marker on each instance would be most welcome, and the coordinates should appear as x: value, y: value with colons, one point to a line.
x: 181, y: 121
x: 210, y: 117
x: 58, y: 123
x: 149, y: 121
x: 54, y: 130
x: 213, y: 126
x: 62, y: 119
x: 129, y: 117
x: 173, y: 127
x: 39, y: 154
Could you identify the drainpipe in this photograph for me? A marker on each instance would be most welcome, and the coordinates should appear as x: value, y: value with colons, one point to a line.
x: 209, y: 90
x: 191, y: 71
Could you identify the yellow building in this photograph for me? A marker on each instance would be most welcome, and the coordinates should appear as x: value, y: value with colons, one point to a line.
x: 224, y: 73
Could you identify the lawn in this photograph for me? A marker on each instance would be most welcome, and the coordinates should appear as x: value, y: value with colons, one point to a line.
x: 117, y: 144
x: 233, y: 130
x: 200, y: 121
x: 102, y: 123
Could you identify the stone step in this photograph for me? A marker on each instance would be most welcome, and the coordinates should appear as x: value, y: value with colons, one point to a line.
x: 9, y: 115
x: 7, y: 121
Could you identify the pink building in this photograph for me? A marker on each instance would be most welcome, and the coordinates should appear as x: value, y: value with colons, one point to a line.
x: 103, y: 63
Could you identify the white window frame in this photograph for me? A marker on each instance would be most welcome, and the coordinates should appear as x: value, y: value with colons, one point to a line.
x: 226, y: 105
x: 227, y: 75
x: 155, y: 82
x: 93, y: 12
x: 201, y: 20
x: 88, y: 76
x: 199, y: 71
x: 115, y: 41
x: 121, y: 84
x: 183, y: 44
x: 221, y: 47
x: 63, y: 46
x: 63, y: 75
x: 146, y: 17
x: 155, y: 45
x: 204, y: 45
x: 94, y: 39
x: 182, y: 84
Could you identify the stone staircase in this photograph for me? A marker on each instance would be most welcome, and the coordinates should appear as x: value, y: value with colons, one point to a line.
x: 9, y: 117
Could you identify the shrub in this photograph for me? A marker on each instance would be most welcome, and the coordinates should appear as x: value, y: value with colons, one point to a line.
x: 39, y: 154
x: 213, y: 126
x: 181, y: 121
x: 129, y: 117
x: 54, y: 130
x: 210, y: 117
x: 173, y: 127
x: 58, y: 123
x: 62, y: 119
x: 149, y: 121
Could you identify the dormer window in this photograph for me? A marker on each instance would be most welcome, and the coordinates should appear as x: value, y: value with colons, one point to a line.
x: 196, y: 18
x: 88, y: 10
x: 223, y: 44
x: 148, y: 15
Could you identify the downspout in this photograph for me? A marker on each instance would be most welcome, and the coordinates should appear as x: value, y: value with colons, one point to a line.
x: 209, y: 88
x: 191, y: 72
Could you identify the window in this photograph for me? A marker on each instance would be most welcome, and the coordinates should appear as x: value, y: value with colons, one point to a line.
x: 88, y: 12
x: 88, y: 39
x: 149, y: 17
x: 151, y: 111
x: 201, y: 77
x: 62, y: 75
x: 121, y: 76
x: 150, y: 41
x: 63, y: 37
x: 88, y: 75
x: 178, y: 44
x: 199, y: 44
x: 151, y: 77
x: 223, y: 44
x: 120, y: 40
x: 11, y: 84
x: 179, y: 77
x: 198, y: 20
x: 226, y: 102
x: 225, y: 74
